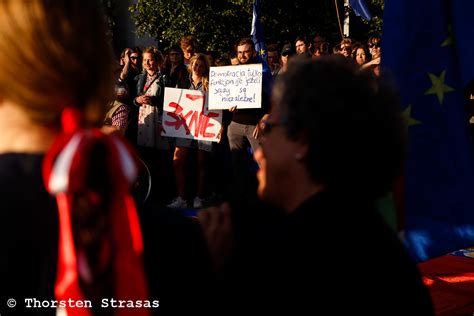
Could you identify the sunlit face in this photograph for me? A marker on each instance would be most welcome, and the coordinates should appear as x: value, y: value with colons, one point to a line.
x: 276, y: 158
x: 376, y: 52
x: 198, y: 68
x: 301, y: 47
x: 188, y: 52
x: 374, y: 48
x: 149, y: 64
x: 244, y: 53
x: 346, y: 50
x: 360, y: 56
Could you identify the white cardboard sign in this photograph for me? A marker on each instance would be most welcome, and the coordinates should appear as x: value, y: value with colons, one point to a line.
x: 239, y: 86
x: 186, y: 115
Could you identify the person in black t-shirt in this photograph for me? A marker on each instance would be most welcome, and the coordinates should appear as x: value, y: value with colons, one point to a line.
x: 244, y: 128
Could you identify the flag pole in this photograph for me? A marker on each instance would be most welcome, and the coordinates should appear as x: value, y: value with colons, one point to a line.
x: 338, y: 19
x: 346, y: 18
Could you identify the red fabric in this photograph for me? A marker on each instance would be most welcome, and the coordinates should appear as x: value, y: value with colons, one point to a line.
x: 71, y: 120
x: 126, y: 239
x: 67, y: 285
x: 450, y: 280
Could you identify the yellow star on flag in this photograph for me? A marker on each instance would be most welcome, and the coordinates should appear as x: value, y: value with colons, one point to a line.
x: 262, y: 51
x: 438, y: 87
x: 450, y: 39
x: 406, y: 115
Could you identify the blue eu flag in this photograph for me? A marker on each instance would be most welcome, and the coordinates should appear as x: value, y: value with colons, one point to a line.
x: 430, y: 56
x: 258, y: 39
x: 360, y: 9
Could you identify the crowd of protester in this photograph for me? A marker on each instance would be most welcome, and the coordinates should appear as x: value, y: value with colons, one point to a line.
x: 206, y: 173
x: 300, y: 174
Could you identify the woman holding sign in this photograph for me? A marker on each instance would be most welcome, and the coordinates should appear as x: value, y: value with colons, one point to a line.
x: 198, y: 80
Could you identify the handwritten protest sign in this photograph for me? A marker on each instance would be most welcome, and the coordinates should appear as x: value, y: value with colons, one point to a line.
x: 239, y: 86
x: 185, y: 115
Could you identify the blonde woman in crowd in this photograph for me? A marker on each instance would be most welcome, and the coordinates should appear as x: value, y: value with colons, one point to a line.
x: 198, y: 80
x: 150, y: 89
x: 346, y: 47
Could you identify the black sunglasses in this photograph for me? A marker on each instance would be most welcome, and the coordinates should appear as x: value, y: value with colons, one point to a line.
x: 372, y: 45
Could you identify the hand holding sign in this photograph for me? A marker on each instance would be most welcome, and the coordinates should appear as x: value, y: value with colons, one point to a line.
x: 233, y: 109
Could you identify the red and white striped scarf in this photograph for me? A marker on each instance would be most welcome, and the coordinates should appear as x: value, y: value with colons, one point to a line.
x: 63, y: 170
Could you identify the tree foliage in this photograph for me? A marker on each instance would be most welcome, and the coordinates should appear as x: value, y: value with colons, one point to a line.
x: 218, y: 24
x: 374, y: 26
x: 215, y: 23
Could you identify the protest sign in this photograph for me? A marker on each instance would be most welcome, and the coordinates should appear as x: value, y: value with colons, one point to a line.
x: 239, y: 86
x: 185, y: 115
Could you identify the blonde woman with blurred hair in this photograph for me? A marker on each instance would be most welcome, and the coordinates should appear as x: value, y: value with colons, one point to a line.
x: 71, y: 229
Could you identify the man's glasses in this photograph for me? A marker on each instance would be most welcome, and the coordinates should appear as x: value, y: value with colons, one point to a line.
x: 244, y: 52
x: 134, y: 57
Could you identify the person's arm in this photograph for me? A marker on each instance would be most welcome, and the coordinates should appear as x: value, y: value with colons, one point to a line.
x: 266, y: 109
x: 259, y: 126
x: 110, y: 129
x: 142, y: 99
x: 119, y: 121
x: 373, y: 62
x: 219, y: 134
x: 126, y: 67
x: 159, y: 97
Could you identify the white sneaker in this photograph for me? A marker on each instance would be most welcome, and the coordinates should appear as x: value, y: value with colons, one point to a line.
x: 197, y: 202
x: 179, y: 202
